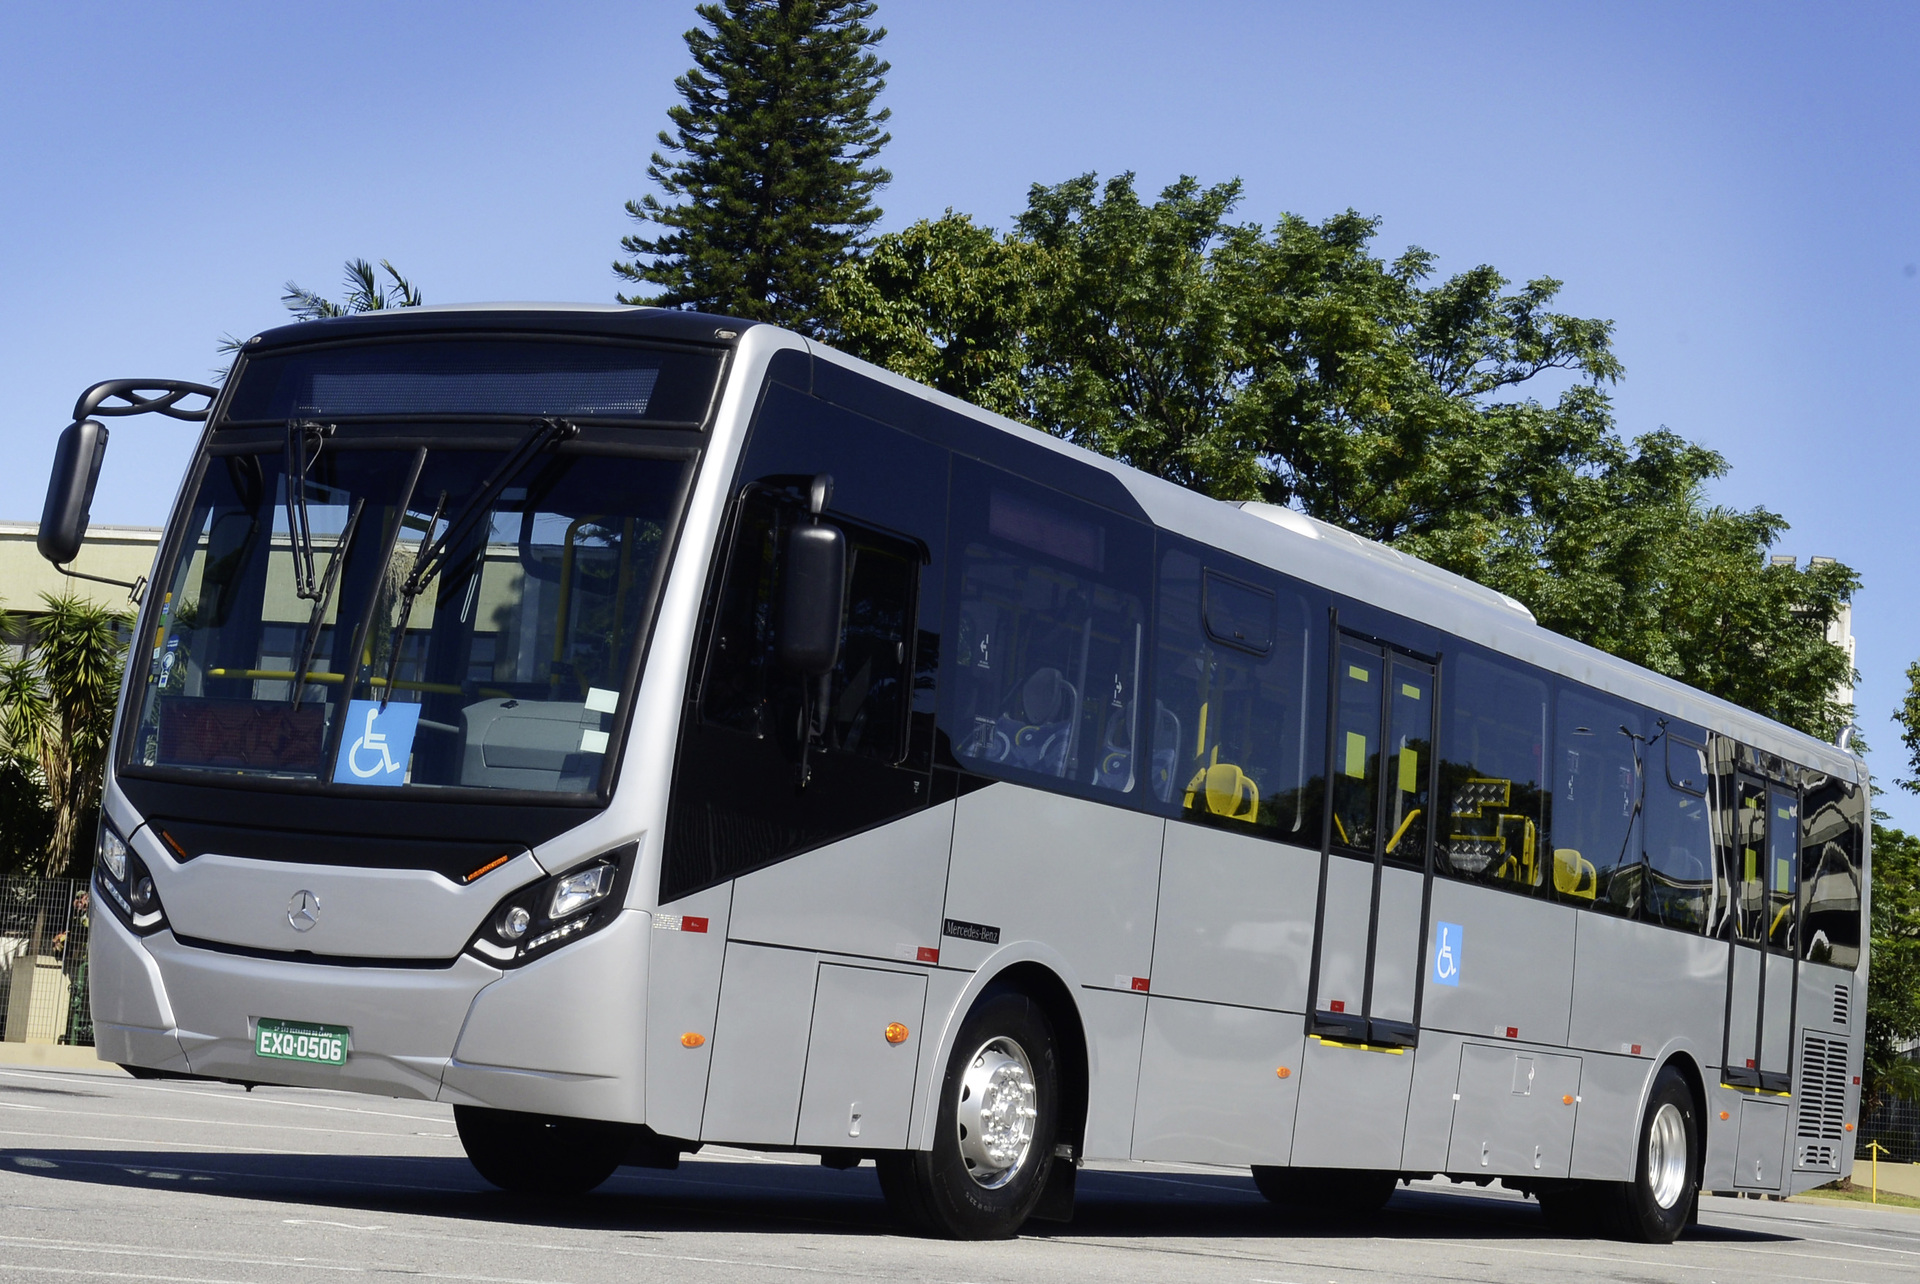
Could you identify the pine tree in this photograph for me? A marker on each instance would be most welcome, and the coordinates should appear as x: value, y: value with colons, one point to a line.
x: 773, y: 177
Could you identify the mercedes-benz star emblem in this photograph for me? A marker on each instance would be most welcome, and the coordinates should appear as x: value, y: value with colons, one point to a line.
x: 303, y: 911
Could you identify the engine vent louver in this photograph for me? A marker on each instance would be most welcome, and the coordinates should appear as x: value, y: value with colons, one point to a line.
x: 1842, y: 1005
x: 1822, y: 1098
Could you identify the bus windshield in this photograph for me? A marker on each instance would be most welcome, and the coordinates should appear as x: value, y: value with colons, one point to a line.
x: 289, y: 645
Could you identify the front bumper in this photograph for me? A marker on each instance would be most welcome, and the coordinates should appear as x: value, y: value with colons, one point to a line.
x: 561, y: 1035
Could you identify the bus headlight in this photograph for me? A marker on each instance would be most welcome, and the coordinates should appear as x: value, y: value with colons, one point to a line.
x: 545, y: 914
x: 124, y: 882
x: 111, y: 849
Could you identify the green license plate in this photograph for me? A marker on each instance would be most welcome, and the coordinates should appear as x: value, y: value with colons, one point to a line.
x: 324, y: 1045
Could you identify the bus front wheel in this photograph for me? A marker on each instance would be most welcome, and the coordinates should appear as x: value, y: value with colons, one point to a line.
x: 993, y: 1142
x: 1653, y: 1208
x: 539, y: 1154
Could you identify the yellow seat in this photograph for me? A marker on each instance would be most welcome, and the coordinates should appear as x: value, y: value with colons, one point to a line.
x: 1574, y: 874
x: 1226, y: 791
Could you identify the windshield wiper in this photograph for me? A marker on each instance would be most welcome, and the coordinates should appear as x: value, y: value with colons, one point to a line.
x: 304, y: 438
x: 435, y: 551
x: 324, y: 596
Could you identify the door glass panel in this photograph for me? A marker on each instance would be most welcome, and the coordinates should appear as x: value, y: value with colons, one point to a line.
x: 1748, y: 875
x: 1410, y: 750
x: 1356, y: 748
x: 1783, y: 867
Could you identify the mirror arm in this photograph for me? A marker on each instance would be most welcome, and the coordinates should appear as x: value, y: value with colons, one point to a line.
x: 134, y: 398
x: 136, y: 588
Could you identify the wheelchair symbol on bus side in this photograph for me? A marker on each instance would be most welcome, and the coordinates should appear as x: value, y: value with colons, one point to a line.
x: 1448, y: 938
x: 377, y: 743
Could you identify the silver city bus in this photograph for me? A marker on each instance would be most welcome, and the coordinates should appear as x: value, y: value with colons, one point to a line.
x: 642, y: 729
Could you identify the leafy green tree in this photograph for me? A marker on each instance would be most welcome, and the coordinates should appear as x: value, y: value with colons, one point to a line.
x: 1908, y: 717
x: 1295, y: 366
x: 1893, y: 976
x: 57, y: 700
x: 772, y: 180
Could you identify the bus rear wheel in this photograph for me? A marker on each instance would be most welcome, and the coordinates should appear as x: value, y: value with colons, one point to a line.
x: 1654, y: 1207
x: 540, y: 1154
x: 993, y: 1139
x: 1326, y: 1192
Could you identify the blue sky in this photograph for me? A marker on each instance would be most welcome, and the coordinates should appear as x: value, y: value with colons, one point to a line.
x: 1733, y: 185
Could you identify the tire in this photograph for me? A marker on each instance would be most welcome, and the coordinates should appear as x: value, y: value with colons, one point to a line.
x: 1326, y: 1192
x: 981, y: 1181
x: 540, y: 1155
x: 1655, y: 1206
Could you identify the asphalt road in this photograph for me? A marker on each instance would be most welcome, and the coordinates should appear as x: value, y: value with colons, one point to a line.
x: 106, y: 1178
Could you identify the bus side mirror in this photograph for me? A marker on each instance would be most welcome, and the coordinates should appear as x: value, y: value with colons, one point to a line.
x: 76, y: 470
x: 814, y: 582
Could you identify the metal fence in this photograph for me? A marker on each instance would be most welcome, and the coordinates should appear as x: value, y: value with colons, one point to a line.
x: 43, y: 961
x: 1896, y: 1126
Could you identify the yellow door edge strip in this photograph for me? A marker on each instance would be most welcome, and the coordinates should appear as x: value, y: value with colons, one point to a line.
x: 1359, y: 1047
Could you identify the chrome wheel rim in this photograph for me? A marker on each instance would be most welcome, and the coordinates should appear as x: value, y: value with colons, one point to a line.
x: 997, y: 1112
x: 1667, y: 1155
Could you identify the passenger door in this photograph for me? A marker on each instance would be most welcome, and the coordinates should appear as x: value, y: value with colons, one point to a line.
x: 1762, y: 967
x: 1370, y: 925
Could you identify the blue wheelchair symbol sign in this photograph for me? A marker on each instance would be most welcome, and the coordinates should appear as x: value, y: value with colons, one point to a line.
x: 1448, y: 939
x: 377, y: 743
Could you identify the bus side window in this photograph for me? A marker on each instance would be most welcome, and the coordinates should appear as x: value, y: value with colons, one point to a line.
x: 1491, y: 775
x: 1599, y: 751
x: 1049, y: 637
x: 1679, y: 839
x: 1830, y: 834
x: 1235, y: 742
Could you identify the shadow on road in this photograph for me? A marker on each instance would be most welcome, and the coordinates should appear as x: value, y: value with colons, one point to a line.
x: 775, y: 1198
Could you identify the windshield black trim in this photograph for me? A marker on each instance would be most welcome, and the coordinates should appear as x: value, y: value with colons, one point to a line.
x: 219, y: 421
x: 527, y: 819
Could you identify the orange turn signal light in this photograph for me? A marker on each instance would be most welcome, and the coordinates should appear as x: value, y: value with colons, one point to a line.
x: 1567, y: 1100
x: 1283, y: 1072
x: 1725, y: 1116
x: 1849, y: 1127
x: 692, y: 1040
x: 896, y: 1033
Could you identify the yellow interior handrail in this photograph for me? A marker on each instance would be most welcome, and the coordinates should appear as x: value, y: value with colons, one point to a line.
x: 1401, y: 832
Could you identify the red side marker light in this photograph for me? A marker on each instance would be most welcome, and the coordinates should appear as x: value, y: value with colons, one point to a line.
x: 1338, y: 1005
x: 1513, y: 1032
x: 691, y: 924
x: 1140, y: 984
x: 1749, y: 1063
x: 1856, y: 1081
x: 926, y: 954
x: 1636, y: 1049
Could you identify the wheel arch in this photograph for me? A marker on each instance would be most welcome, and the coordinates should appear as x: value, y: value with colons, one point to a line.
x: 1037, y: 971
x: 1697, y: 1087
x: 1044, y: 987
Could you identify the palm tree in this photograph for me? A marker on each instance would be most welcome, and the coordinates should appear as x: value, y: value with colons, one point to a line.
x: 57, y: 699
x: 364, y: 294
